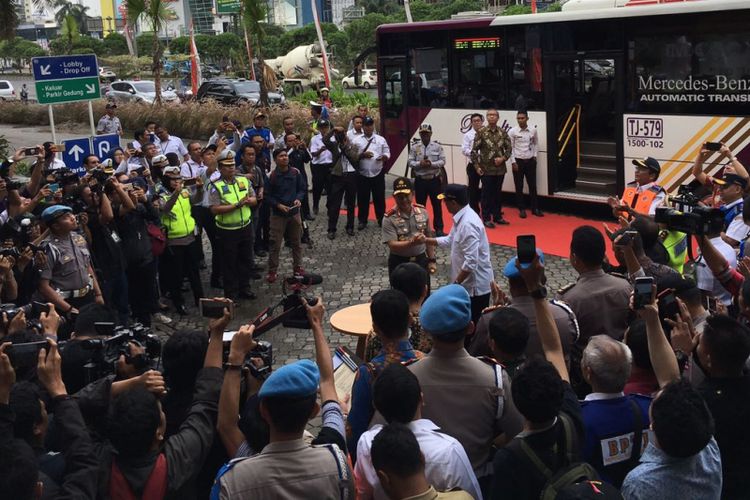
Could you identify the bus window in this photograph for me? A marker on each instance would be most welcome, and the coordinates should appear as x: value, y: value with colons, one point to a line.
x: 393, y: 102
x: 525, y: 73
x: 479, y: 71
x: 428, y: 82
x: 691, y: 71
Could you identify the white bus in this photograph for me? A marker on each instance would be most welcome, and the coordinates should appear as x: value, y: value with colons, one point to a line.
x: 603, y: 86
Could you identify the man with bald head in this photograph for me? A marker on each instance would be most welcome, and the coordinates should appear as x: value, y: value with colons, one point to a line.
x: 611, y: 418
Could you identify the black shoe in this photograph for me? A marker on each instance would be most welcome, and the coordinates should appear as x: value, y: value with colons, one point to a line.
x: 248, y: 294
x: 489, y: 224
x: 502, y: 222
x: 361, y: 226
x: 350, y: 231
x: 439, y: 233
x: 309, y: 217
x: 522, y: 213
x: 537, y: 212
x: 181, y: 310
x: 261, y: 253
x: 331, y: 235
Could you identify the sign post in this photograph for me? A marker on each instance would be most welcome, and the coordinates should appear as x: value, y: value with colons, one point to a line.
x: 60, y: 79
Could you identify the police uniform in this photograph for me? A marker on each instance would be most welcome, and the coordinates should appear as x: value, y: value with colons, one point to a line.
x: 234, y: 232
x: 68, y: 264
x: 427, y: 180
x: 402, y: 227
x: 289, y: 470
x: 467, y: 397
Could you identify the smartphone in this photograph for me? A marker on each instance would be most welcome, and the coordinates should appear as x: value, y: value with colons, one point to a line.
x: 37, y: 308
x: 712, y: 146
x: 140, y: 170
x: 626, y: 238
x: 130, y: 145
x: 60, y: 147
x: 211, y: 308
x: 25, y: 355
x: 127, y: 187
x: 668, y: 306
x: 31, y: 151
x: 526, y: 248
x: 189, y: 182
x: 642, y: 289
x: 104, y: 328
x: 54, y: 187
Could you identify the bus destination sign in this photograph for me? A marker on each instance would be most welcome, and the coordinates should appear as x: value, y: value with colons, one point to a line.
x: 492, y: 42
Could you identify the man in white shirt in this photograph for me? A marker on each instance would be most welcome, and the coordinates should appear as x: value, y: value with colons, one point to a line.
x: 171, y: 143
x: 475, y: 192
x: 705, y: 279
x: 471, y: 266
x: 525, y: 143
x: 397, y: 395
x: 731, y: 190
x: 356, y: 128
x: 373, y: 153
x: 321, y: 164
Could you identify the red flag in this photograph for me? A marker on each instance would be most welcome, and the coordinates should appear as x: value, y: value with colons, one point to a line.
x: 195, y: 64
x: 533, y: 6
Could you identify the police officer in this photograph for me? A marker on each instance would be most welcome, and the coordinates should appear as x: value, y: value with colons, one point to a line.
x: 405, y: 227
x: 180, y: 259
x: 68, y: 281
x: 426, y: 158
x: 230, y: 201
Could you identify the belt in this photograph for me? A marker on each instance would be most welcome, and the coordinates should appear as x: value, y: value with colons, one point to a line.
x: 77, y: 294
x: 413, y: 258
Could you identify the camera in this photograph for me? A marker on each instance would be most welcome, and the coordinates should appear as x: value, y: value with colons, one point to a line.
x: 264, y: 351
x: 688, y: 197
x: 75, y: 203
x: 64, y: 176
x: 699, y: 221
x: 12, y: 310
x: 101, y: 175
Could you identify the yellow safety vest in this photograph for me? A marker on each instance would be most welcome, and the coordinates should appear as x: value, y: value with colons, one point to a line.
x: 676, y: 244
x: 179, y: 221
x: 230, y: 194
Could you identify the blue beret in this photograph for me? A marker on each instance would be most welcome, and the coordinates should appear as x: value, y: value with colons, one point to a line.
x: 55, y: 211
x: 446, y: 311
x: 510, y: 270
x: 295, y: 380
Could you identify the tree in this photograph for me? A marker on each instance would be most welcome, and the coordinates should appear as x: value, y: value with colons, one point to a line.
x: 254, y: 16
x: 69, y: 32
x: 115, y: 44
x: 8, y: 19
x: 20, y: 51
x: 155, y: 13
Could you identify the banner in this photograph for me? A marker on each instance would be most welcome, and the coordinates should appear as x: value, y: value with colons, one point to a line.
x: 227, y: 7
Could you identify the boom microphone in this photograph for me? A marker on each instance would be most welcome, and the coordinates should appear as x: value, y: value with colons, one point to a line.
x: 305, y: 279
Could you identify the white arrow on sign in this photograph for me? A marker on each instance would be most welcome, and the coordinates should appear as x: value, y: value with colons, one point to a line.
x: 76, y: 151
x: 90, y: 89
x: 103, y: 149
x: 45, y: 70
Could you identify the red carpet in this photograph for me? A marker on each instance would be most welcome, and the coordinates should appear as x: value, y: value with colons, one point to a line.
x: 553, y: 231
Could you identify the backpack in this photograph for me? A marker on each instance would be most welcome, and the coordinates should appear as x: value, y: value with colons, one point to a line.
x: 570, y: 474
x: 158, y: 239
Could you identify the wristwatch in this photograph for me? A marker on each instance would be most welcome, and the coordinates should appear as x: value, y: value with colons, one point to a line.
x: 539, y: 293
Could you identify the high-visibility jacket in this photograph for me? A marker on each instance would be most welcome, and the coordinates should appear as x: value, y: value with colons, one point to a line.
x: 643, y: 200
x: 230, y: 194
x: 179, y: 221
x: 676, y: 244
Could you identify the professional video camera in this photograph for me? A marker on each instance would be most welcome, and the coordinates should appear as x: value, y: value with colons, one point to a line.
x: 263, y: 351
x: 63, y: 176
x: 75, y: 203
x: 688, y: 197
x: 699, y: 221
x: 105, y: 352
x: 294, y: 314
x: 19, y: 230
x: 102, y: 175
x: 10, y: 184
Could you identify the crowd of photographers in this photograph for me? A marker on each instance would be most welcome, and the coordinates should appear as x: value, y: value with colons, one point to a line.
x: 633, y: 385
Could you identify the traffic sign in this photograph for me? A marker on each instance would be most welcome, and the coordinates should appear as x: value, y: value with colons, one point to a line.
x: 103, y: 144
x: 64, y: 67
x: 76, y: 150
x: 66, y: 78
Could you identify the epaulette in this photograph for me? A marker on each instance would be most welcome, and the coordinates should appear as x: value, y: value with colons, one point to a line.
x: 566, y: 288
x: 492, y: 308
x: 619, y: 275
x: 411, y: 361
x: 632, y: 184
x: 391, y: 212
x: 419, y: 206
x: 490, y: 361
x: 656, y: 188
x: 566, y: 307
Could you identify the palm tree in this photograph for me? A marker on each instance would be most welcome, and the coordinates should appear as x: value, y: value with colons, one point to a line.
x: 8, y: 19
x: 69, y: 32
x: 255, y: 16
x: 155, y: 13
x: 80, y: 14
x: 62, y: 8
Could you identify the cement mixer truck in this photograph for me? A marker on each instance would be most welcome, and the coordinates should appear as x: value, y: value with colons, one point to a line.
x: 302, y: 68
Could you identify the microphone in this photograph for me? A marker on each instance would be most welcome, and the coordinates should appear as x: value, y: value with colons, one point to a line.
x: 305, y: 279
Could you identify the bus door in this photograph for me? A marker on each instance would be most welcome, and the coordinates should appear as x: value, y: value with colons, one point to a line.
x: 584, y: 103
x: 393, y: 116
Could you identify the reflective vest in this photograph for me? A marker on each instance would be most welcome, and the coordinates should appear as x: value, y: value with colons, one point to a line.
x: 676, y: 244
x: 644, y: 199
x: 231, y: 194
x: 179, y: 221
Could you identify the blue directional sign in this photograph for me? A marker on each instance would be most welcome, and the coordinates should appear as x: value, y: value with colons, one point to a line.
x: 64, y: 67
x: 103, y: 144
x: 75, y: 152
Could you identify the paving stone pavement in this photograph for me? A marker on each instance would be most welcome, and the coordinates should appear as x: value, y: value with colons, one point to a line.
x: 353, y: 269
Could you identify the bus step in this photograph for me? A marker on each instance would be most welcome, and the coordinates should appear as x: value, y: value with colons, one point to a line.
x: 603, y: 148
